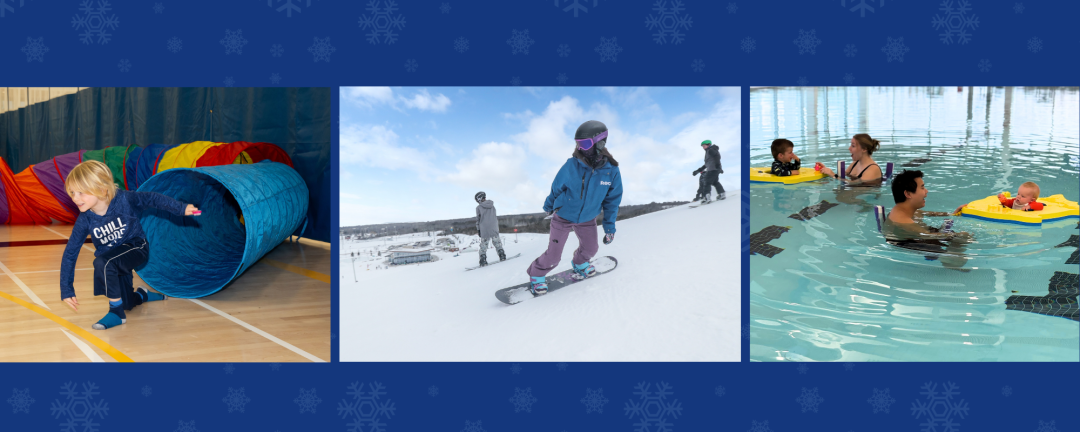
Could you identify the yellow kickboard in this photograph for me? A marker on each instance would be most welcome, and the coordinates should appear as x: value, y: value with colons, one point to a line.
x: 1056, y: 207
x: 764, y: 175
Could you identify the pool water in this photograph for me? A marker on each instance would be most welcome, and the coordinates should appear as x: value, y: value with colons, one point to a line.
x: 838, y: 292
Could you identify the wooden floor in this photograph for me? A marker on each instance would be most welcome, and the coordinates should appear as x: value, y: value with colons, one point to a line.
x: 284, y: 300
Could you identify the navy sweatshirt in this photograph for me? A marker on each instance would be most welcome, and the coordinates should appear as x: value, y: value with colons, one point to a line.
x: 119, y: 225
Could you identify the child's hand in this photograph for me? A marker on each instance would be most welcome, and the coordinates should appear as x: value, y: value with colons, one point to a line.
x: 73, y: 302
x: 794, y: 172
x: 958, y: 210
x: 190, y: 210
x: 796, y: 157
x: 1027, y: 207
x: 1001, y: 198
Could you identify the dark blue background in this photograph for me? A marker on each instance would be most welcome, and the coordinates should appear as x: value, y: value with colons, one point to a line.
x: 482, y: 392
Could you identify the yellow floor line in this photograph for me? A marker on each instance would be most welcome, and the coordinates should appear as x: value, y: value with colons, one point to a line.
x: 322, y: 277
x: 87, y: 336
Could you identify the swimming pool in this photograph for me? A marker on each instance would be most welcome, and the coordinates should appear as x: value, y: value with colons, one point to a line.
x: 834, y: 290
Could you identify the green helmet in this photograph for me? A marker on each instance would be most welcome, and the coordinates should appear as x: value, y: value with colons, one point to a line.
x: 709, y: 142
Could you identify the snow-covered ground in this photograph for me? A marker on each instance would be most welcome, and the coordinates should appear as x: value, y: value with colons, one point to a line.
x: 674, y: 297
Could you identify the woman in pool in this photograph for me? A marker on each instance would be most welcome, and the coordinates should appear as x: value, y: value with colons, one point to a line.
x: 864, y: 171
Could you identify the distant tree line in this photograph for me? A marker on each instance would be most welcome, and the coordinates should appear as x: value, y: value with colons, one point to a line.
x: 525, y: 223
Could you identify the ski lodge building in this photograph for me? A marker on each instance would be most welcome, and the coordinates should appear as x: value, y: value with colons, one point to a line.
x: 409, y: 255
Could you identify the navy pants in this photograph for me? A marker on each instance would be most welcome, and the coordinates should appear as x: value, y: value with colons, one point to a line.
x: 712, y: 179
x: 112, y: 272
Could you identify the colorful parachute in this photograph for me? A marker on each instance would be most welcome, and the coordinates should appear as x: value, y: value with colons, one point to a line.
x: 37, y: 194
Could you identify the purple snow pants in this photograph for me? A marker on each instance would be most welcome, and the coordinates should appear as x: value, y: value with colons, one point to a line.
x: 560, y: 231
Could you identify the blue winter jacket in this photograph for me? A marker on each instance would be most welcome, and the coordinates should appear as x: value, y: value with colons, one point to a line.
x: 580, y: 191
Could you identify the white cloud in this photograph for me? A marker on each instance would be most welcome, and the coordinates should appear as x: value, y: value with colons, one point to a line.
x: 371, y: 97
x: 491, y: 165
x: 377, y: 146
x: 424, y: 101
x: 367, y: 96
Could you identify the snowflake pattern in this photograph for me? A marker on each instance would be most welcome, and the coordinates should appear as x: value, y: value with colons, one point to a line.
x: 1006, y: 391
x: 276, y: 50
x: 594, y: 400
x: 288, y: 7
x: 802, y: 368
x: 955, y: 22
x: 20, y: 401
x: 366, y: 408
x: 564, y: 50
x: 748, y: 45
x: 732, y: 8
x: 848, y: 366
x: 1046, y: 426
x: 95, y: 21
x: 850, y: 50
x: 759, y: 426
x: 523, y: 399
x: 445, y: 8
x: 515, y: 81
x: 275, y: 367
x: 472, y: 427
x: 519, y: 41
x: 174, y: 44
x: 233, y: 42
x: 461, y: 45
x: 862, y: 7
x: 433, y: 391
x: 984, y: 65
x: 35, y: 49
x: 1018, y: 8
x: 809, y: 399
x: 562, y: 80
x: 80, y: 408
x: 849, y: 78
x: 1034, y: 45
x: 5, y: 7
x: 229, y: 81
x: 516, y: 368
x: 307, y: 401
x: 411, y: 65
x: 940, y: 409
x: 275, y: 78
x: 697, y: 65
x: 147, y: 391
x: 576, y: 6
x: 608, y: 49
x: 186, y: 427
x: 653, y: 407
x: 229, y: 368
x: 382, y: 22
x: 807, y: 42
x: 236, y: 399
x: 881, y: 400
x: 668, y: 22
x: 159, y: 8
x: 895, y: 49
x: 321, y: 49
x: 721, y: 391
x: 124, y: 65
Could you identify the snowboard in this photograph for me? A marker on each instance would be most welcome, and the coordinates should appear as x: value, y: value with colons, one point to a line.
x: 699, y: 204
x: 519, y: 293
x: 493, y: 263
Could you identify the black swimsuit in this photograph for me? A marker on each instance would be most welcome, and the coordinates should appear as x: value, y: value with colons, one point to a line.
x: 859, y: 177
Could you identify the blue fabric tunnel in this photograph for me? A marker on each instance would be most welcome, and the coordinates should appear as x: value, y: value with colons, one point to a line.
x: 247, y: 211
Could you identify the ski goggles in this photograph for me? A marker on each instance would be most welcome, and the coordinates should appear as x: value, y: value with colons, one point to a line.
x: 587, y: 143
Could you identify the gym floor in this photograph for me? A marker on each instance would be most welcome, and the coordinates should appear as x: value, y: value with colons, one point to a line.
x: 277, y: 311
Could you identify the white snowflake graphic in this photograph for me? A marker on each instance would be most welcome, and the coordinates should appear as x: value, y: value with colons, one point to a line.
x: 564, y: 50
x: 382, y: 22
x: 653, y: 407
x: 80, y: 408
x: 516, y: 368
x: 322, y: 49
x: 848, y: 79
x: 668, y: 22
x: 472, y: 427
x: 1035, y: 45
x: 275, y: 78
x: 562, y: 80
x: 174, y: 44
x: 233, y: 42
x: 411, y: 65
x: 147, y: 391
x: 35, y: 49
x: 809, y: 400
x: 276, y: 50
x: 849, y: 365
x: 955, y: 22
x: 1018, y: 8
x: 732, y: 8
x: 759, y: 427
x: 940, y: 409
x: 186, y: 426
x: 288, y: 7
x: 366, y: 408
x: 229, y: 81
x: 275, y: 366
x: 881, y: 400
x: 461, y: 45
x: 802, y: 368
x: 20, y: 401
x: 307, y: 401
x: 1006, y: 391
x: 862, y: 7
x: 229, y: 368
x: 5, y: 7
x: 576, y: 6
x: 515, y: 81
x: 748, y: 45
x: 1046, y: 426
x: 594, y: 400
x: 721, y: 391
x: 608, y: 49
x: 433, y: 391
x: 523, y: 399
x: 124, y: 65
x: 697, y: 65
x: 95, y: 21
x: 236, y: 399
x: 984, y: 65
x: 159, y: 8
x: 445, y: 8
x: 807, y: 42
x: 519, y: 41
x: 895, y: 49
x: 850, y: 50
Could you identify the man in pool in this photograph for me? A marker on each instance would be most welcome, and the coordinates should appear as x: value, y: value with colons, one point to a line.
x: 904, y: 226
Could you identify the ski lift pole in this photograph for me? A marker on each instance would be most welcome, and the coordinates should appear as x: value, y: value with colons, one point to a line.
x: 354, y: 270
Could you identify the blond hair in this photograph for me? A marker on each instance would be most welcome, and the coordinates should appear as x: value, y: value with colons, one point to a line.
x: 1032, y: 185
x: 91, y: 177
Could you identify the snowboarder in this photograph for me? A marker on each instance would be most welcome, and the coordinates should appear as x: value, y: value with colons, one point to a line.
x: 487, y: 225
x: 586, y: 184
x: 710, y: 172
x: 701, y: 184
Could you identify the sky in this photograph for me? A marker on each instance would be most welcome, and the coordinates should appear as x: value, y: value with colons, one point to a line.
x: 413, y: 154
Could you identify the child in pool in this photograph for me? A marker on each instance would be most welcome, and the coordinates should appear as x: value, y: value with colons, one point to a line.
x: 1025, y: 198
x: 783, y: 153
x: 111, y: 215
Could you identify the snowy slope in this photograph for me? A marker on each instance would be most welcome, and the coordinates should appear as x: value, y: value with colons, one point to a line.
x: 674, y: 297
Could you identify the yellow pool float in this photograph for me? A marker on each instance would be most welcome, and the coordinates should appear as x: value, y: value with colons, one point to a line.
x: 765, y: 175
x: 1055, y: 207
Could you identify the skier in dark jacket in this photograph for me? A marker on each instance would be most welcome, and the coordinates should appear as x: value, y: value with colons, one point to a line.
x: 487, y: 225
x: 710, y: 173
